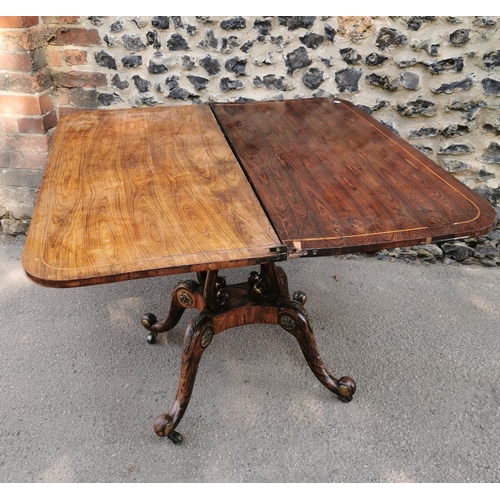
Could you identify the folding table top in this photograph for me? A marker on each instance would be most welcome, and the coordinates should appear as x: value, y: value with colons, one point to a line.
x: 334, y: 180
x: 143, y: 192
x: 146, y: 192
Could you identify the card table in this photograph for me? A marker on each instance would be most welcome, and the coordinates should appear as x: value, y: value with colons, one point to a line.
x: 144, y: 192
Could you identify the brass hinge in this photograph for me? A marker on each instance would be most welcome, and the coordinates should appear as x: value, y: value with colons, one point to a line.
x: 281, y: 250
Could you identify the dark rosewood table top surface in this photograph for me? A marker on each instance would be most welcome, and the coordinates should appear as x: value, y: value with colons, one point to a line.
x: 334, y: 180
x: 145, y: 192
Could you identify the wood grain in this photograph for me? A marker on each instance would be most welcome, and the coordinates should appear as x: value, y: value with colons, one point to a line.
x: 334, y: 180
x: 143, y: 192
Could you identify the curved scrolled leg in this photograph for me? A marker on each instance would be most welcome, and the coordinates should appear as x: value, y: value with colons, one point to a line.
x: 294, y: 319
x: 183, y: 297
x: 198, y: 336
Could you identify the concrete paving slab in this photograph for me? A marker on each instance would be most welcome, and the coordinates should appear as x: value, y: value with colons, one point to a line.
x: 80, y: 386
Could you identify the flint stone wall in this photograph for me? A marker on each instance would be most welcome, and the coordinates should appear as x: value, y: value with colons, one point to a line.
x: 435, y: 81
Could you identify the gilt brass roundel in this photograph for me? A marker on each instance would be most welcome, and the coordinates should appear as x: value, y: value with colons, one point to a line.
x: 185, y: 298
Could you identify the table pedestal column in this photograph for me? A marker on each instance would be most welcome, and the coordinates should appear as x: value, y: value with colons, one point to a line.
x: 264, y: 298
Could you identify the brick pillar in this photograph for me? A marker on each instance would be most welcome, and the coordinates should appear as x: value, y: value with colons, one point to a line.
x: 26, y: 116
x: 44, y: 74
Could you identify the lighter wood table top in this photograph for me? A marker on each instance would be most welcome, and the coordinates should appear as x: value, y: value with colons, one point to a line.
x: 143, y: 192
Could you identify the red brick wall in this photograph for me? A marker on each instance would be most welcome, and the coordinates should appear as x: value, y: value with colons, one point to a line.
x: 26, y: 109
x: 39, y: 70
x: 42, y: 77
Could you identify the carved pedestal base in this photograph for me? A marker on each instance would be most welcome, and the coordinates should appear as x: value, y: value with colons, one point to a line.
x: 263, y: 299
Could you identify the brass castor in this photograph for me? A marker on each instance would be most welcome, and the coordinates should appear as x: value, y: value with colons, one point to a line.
x: 147, y: 321
x: 347, y: 388
x: 175, y: 437
x: 345, y: 399
x: 163, y: 427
